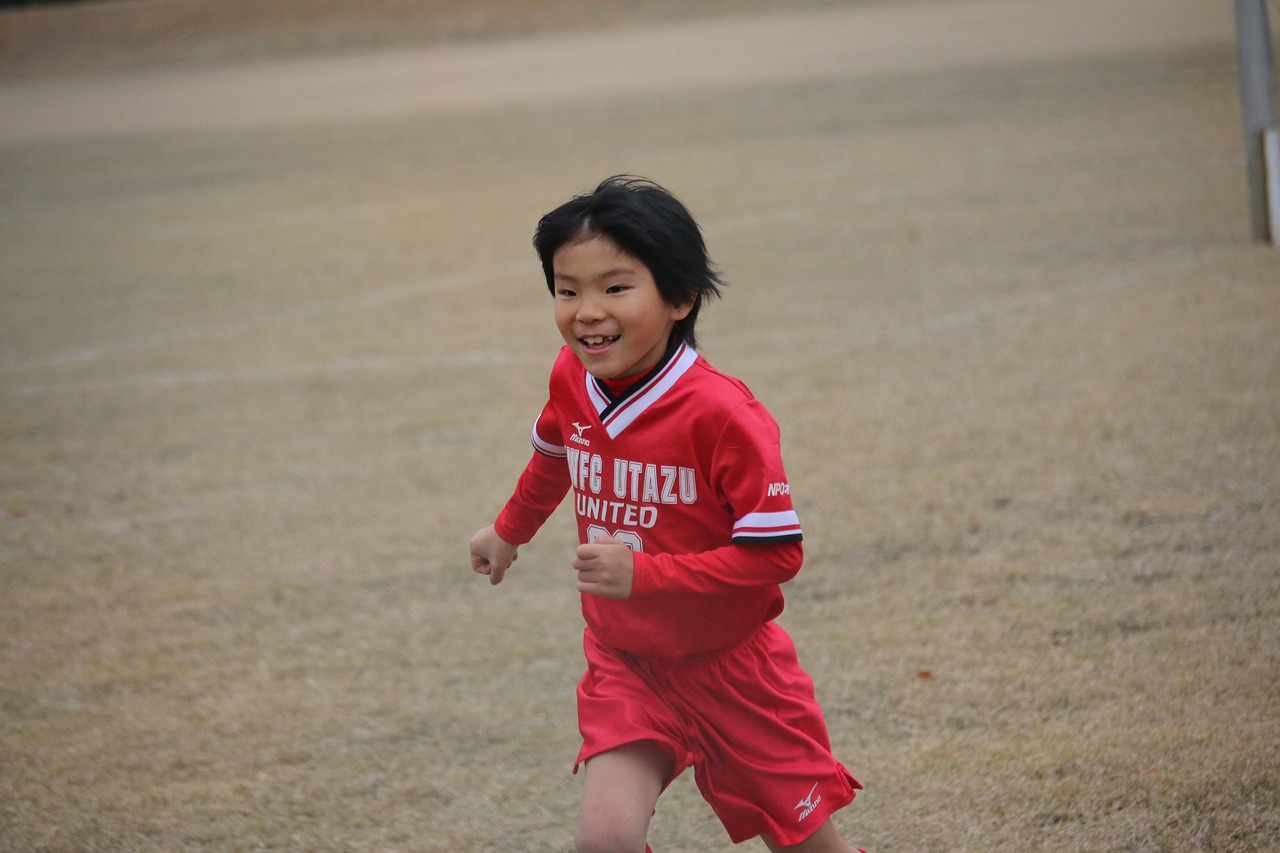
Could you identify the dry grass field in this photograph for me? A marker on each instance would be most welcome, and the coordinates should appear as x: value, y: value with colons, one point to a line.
x: 272, y: 335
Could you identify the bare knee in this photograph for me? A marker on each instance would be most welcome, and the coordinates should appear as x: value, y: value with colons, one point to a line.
x: 609, y: 833
x: 619, y: 791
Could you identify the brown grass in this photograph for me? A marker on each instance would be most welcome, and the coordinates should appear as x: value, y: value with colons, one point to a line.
x: 115, y: 35
x: 258, y: 386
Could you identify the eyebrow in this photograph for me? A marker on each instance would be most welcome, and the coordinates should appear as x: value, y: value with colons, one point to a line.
x: 561, y: 276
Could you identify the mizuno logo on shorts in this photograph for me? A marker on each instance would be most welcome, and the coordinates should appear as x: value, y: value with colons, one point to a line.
x: 809, y: 803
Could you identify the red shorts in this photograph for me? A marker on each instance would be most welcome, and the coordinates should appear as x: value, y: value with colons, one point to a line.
x: 744, y: 718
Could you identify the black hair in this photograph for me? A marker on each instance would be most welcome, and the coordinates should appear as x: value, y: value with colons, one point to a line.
x: 647, y: 222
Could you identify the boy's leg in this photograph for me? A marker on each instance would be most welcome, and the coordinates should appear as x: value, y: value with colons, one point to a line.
x: 620, y: 789
x: 825, y: 840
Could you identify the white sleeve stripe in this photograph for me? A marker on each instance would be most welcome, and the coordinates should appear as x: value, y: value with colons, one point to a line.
x: 793, y: 535
x: 545, y: 446
x: 766, y: 523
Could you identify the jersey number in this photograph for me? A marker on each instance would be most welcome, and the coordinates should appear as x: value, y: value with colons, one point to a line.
x: 629, y: 537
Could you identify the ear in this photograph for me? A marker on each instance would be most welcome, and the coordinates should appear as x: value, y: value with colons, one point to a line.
x: 679, y: 312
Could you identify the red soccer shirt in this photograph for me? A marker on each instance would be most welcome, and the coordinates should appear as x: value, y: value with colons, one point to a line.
x: 685, y: 468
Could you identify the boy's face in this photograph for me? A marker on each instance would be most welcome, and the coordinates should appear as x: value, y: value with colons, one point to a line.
x: 609, y: 309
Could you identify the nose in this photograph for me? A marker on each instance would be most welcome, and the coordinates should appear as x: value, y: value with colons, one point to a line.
x: 590, y: 309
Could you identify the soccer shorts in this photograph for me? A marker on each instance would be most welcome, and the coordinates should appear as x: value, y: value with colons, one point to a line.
x: 744, y: 718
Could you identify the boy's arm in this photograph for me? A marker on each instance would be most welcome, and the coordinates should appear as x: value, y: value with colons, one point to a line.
x: 541, y: 487
x: 729, y: 567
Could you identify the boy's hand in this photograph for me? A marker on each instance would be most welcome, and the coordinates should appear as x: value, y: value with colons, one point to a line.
x: 491, y: 554
x: 605, y: 568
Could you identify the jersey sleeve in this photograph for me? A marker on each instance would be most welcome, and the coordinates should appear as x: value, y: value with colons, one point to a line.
x: 730, y: 567
x: 748, y: 475
x: 546, y: 434
x: 541, y: 487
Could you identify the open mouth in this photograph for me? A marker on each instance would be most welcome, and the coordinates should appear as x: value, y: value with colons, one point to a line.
x: 594, y: 343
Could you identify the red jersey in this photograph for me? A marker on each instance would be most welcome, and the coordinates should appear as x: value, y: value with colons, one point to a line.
x: 686, y: 468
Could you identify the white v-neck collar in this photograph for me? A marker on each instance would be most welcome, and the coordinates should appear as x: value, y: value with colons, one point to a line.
x: 617, y: 415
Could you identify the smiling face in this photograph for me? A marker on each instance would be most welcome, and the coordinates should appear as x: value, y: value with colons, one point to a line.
x: 609, y: 310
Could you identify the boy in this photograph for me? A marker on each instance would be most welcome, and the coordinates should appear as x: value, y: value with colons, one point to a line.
x: 687, y: 526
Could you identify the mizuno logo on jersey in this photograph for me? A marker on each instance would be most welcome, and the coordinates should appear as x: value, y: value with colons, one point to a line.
x: 579, y: 429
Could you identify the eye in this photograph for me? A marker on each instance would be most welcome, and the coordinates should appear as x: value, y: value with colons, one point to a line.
x: 565, y: 293
x: 618, y: 288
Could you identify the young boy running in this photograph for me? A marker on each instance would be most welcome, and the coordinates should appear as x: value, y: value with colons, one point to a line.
x: 687, y: 530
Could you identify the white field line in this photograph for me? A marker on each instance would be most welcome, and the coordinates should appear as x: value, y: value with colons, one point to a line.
x: 127, y: 524
x: 362, y: 301
x: 270, y: 372
x: 1003, y: 305
x: 927, y: 326
x: 973, y: 314
x: 304, y: 217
